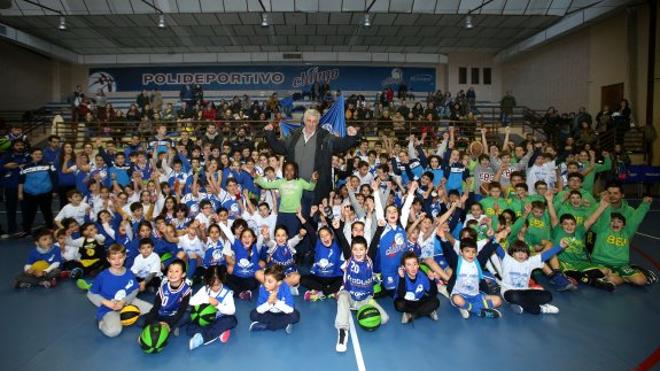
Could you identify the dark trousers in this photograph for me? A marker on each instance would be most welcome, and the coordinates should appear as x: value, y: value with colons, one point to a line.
x: 290, y: 221
x: 11, y: 204
x: 212, y: 331
x: 329, y: 285
x: 419, y: 308
x: 31, y: 204
x: 33, y: 280
x: 240, y: 284
x: 275, y: 321
x: 529, y: 300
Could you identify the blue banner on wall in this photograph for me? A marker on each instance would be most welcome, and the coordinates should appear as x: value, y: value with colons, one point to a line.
x: 268, y: 78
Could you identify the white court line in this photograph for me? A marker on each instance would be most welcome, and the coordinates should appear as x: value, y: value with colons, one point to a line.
x: 356, y: 345
x: 648, y: 236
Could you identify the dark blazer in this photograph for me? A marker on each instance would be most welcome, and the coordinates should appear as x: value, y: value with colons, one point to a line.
x: 327, y: 144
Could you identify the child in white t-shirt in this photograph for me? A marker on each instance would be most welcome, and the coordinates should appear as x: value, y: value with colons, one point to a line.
x: 193, y: 247
x: 517, y: 267
x: 147, y: 266
x: 75, y: 209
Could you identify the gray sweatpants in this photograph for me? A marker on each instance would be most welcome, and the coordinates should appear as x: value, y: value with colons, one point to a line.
x: 345, y: 304
x: 110, y: 325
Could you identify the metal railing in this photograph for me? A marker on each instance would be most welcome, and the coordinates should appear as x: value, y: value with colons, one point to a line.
x: 121, y: 131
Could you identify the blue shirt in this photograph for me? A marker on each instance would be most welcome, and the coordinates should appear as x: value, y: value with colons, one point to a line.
x: 283, y: 294
x: 10, y: 177
x: 327, y: 260
x: 359, y: 279
x: 112, y: 287
x: 52, y: 255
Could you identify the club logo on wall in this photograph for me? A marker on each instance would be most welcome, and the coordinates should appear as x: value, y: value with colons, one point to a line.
x: 101, y: 81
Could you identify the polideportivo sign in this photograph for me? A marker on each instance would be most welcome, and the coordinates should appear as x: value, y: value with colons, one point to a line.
x: 260, y: 78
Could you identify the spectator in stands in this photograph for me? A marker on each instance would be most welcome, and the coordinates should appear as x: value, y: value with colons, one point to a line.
x: 169, y: 114
x: 551, y: 123
x: 209, y: 113
x: 198, y: 94
x: 10, y: 168
x: 185, y: 112
x: 430, y: 110
x: 620, y: 163
x: 471, y: 97
x: 580, y: 117
x: 312, y: 150
x: 315, y: 91
x: 133, y: 114
x: 142, y: 100
x: 507, y: 104
x: 78, y: 96
x: 107, y: 114
x: 604, y: 119
x: 586, y: 135
x: 403, y: 91
x: 156, y: 99
x: 622, y: 120
x: 148, y: 112
x: 242, y: 141
x: 186, y: 95
x: 272, y: 103
x: 212, y: 136
x: 53, y: 149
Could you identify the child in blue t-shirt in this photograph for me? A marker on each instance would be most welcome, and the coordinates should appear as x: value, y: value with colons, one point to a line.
x: 42, y: 265
x: 275, y: 307
x: 416, y: 293
x: 112, y: 290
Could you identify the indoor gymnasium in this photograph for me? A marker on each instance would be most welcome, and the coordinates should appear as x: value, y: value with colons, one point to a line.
x: 329, y: 184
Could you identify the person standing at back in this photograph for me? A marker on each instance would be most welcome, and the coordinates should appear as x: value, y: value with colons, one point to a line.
x: 312, y: 150
x: 35, y: 188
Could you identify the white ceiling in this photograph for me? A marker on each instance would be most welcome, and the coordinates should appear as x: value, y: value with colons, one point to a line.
x: 398, y: 26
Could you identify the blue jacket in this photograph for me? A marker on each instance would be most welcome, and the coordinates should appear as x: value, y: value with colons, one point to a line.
x: 37, y: 178
x: 9, y: 177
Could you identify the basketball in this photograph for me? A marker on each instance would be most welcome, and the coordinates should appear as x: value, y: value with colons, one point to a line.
x: 129, y: 315
x: 153, y: 338
x: 39, y: 265
x: 476, y: 149
x: 368, y: 317
x: 203, y: 314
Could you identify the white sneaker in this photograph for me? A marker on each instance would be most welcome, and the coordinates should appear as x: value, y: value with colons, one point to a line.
x: 342, y: 340
x: 464, y: 313
x: 294, y: 290
x: 196, y: 341
x: 406, y: 318
x: 4, y: 236
x: 434, y: 315
x: 515, y: 308
x: 549, y: 309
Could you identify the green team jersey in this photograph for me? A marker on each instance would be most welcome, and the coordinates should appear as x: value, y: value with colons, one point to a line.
x: 612, y: 249
x: 291, y: 191
x: 538, y: 229
x: 517, y: 205
x: 579, y: 213
x: 588, y: 183
x: 586, y: 195
x: 574, y: 257
x: 493, y: 207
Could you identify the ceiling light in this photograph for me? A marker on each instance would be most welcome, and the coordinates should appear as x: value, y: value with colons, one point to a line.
x: 62, y: 26
x: 264, y: 20
x: 367, y: 21
x: 161, y: 21
x: 468, y: 22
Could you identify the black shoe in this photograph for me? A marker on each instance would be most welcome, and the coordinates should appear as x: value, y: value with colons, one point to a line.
x: 603, y: 284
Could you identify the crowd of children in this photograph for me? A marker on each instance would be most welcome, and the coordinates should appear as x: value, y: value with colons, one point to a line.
x: 198, y: 223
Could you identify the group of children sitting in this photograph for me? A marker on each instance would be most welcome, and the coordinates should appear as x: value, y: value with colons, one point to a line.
x: 404, y: 223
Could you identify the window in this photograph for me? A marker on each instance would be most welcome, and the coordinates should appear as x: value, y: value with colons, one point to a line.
x: 475, y: 76
x: 487, y: 76
x: 462, y: 75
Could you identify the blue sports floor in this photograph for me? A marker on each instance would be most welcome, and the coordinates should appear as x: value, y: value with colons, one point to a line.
x: 55, y: 330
